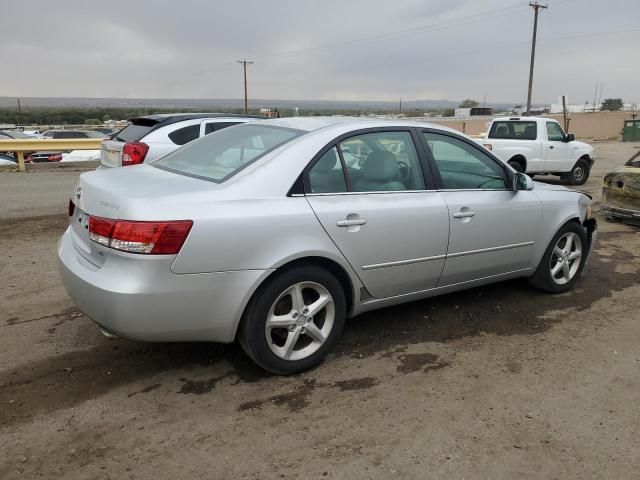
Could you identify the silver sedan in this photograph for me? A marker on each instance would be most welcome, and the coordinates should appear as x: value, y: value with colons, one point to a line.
x: 274, y: 233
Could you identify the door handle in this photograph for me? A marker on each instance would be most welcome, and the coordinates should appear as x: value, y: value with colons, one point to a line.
x: 465, y: 214
x: 351, y: 222
x: 550, y: 147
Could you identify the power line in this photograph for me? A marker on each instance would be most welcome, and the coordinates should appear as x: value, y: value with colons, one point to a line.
x: 536, y: 8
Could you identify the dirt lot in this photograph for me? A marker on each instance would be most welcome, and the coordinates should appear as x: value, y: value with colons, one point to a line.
x: 500, y: 382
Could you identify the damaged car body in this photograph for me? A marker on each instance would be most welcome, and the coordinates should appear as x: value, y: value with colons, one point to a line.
x: 621, y: 192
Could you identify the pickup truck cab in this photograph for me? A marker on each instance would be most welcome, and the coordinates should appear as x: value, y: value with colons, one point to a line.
x: 538, y: 145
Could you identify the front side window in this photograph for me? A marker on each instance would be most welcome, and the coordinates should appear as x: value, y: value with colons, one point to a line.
x: 382, y: 161
x: 514, y: 130
x: 464, y: 167
x: 554, y: 132
x: 222, y: 154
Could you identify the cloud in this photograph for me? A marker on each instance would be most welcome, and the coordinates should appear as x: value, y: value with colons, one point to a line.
x: 329, y: 49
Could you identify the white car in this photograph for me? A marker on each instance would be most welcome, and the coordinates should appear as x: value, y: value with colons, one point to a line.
x: 151, y: 137
x: 81, y: 156
x: 538, y: 145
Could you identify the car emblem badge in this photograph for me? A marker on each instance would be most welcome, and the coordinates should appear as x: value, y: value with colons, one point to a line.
x: 78, y: 193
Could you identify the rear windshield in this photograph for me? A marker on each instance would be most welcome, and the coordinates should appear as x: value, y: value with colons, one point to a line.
x: 512, y: 130
x: 222, y: 154
x: 133, y: 132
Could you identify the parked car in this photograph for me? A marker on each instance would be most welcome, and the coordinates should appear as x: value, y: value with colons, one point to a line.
x: 81, y: 156
x: 33, y: 133
x: 621, y: 192
x: 12, y: 135
x: 148, y: 138
x: 260, y: 233
x: 538, y: 145
x: 68, y: 134
x: 7, y: 160
x: 44, y: 156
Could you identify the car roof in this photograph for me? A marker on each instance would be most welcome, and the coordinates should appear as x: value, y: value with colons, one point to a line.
x: 310, y: 124
x: 169, y: 118
x: 521, y: 118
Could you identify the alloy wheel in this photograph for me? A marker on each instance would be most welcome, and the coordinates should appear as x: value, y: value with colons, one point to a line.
x: 300, y: 321
x: 566, y: 258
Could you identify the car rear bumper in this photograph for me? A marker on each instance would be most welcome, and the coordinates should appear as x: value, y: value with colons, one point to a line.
x: 623, y: 213
x: 137, y: 297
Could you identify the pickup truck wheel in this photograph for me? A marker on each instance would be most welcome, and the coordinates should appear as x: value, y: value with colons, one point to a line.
x: 516, y: 165
x: 579, y: 174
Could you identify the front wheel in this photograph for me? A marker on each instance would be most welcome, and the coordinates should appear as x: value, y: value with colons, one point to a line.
x: 579, y: 174
x: 294, y: 320
x: 563, y: 261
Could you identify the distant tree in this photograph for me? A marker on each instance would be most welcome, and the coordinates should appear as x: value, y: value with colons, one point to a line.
x: 612, y: 104
x: 92, y: 121
x: 450, y: 112
x: 469, y: 103
x: 106, y: 118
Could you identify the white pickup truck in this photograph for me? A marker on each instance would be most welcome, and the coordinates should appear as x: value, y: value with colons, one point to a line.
x: 538, y: 145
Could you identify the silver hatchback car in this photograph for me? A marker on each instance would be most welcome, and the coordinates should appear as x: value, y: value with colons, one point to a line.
x: 273, y: 233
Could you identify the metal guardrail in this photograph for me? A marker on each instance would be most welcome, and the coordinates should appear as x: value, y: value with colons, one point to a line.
x: 20, y: 146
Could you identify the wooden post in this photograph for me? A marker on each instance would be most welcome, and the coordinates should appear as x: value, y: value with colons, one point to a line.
x: 564, y: 114
x: 20, y: 161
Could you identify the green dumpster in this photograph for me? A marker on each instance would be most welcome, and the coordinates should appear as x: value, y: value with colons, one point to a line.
x: 631, y: 131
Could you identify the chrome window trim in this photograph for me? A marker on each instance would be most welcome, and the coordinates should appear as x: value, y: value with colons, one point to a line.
x: 362, y: 193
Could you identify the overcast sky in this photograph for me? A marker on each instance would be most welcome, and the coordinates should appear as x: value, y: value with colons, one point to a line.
x: 319, y: 49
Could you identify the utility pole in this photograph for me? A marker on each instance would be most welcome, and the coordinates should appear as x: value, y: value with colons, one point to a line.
x: 244, y: 67
x: 20, y: 112
x: 536, y: 8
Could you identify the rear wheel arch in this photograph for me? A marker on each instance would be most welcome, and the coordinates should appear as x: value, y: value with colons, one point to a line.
x: 325, y: 263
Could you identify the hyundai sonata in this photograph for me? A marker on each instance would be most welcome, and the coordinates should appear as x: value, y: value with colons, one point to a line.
x: 273, y: 233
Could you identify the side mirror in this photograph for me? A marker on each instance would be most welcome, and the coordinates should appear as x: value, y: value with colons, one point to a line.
x: 569, y: 138
x: 522, y: 182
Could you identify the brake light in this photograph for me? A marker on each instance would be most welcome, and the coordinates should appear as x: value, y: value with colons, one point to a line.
x: 133, y: 153
x: 100, y: 230
x: 155, y: 238
x: 72, y: 207
x: 488, y: 146
x: 54, y: 157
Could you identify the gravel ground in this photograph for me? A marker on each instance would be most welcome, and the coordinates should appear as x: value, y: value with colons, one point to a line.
x: 497, y: 382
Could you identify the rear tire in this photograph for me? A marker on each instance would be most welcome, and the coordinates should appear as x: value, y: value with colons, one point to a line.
x: 293, y: 320
x: 579, y: 174
x: 563, y: 261
x: 516, y: 165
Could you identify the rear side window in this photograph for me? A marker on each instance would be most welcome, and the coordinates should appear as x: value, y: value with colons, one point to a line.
x: 514, y: 130
x: 215, y: 126
x: 133, y: 132
x: 327, y: 175
x: 222, y: 154
x: 185, y: 134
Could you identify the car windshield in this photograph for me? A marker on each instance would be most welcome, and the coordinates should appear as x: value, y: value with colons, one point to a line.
x: 222, y: 154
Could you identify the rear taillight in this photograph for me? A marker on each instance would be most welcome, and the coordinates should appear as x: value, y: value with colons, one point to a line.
x: 156, y: 238
x: 54, y: 157
x: 72, y: 207
x: 133, y: 153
